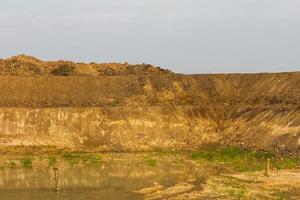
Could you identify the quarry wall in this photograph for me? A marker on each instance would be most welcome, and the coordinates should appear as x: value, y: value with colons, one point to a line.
x: 147, y: 112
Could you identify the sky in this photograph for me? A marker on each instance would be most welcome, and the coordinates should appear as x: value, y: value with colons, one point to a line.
x: 186, y: 36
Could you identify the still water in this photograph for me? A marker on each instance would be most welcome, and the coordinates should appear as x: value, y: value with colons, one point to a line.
x: 107, y: 181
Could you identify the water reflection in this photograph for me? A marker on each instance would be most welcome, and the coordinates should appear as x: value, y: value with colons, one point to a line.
x: 106, y: 181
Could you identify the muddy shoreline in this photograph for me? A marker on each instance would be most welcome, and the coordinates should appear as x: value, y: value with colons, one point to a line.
x: 152, y: 175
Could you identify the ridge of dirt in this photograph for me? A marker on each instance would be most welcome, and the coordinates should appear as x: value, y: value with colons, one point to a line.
x: 23, y: 65
x: 104, y: 105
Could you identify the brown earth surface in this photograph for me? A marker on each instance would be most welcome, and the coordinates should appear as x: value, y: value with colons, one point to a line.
x: 282, y: 184
x: 122, y: 107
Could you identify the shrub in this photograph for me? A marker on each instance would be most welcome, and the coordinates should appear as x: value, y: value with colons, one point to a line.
x: 26, y: 162
x: 63, y: 70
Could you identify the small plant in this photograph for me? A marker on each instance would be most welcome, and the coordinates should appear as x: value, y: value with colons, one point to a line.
x: 150, y: 161
x: 287, y: 163
x: 72, y: 158
x: 231, y: 153
x: 237, y: 193
x: 76, y: 158
x: 52, y: 161
x: 281, y: 196
x: 12, y: 164
x: 264, y: 154
x: 26, y: 162
x: 91, y: 159
x: 206, y: 155
x: 94, y: 159
x: 224, y: 154
x: 63, y: 70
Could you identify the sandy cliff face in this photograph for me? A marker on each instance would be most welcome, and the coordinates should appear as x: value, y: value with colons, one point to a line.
x: 108, y: 129
x: 121, y: 107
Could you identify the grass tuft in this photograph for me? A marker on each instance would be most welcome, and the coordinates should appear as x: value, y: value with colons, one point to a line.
x: 243, y: 160
x: 26, y: 162
x: 150, y: 161
x: 52, y: 161
x: 76, y: 158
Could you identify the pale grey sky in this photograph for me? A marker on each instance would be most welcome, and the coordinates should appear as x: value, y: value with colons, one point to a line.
x: 189, y: 36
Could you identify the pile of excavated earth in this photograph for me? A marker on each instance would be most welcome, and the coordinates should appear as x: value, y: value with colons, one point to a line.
x: 129, y: 108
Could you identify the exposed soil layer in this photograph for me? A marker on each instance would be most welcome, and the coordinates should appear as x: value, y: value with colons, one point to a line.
x: 122, y: 107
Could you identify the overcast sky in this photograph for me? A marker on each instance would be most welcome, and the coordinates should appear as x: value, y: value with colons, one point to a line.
x: 189, y: 36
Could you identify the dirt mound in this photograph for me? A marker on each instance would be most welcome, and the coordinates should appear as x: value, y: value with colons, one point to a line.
x: 122, y: 107
x: 23, y: 65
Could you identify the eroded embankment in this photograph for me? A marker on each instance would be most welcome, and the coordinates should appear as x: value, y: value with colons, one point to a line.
x: 110, y: 128
x: 119, y: 107
x: 149, y: 128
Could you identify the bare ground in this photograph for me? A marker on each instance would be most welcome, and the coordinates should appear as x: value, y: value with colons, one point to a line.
x: 283, y: 184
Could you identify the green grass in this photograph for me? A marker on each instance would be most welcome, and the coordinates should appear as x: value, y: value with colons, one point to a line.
x: 26, y: 162
x: 264, y: 154
x: 282, y: 196
x: 92, y: 159
x: 203, y: 155
x: 287, y: 163
x: 87, y: 159
x: 52, y: 161
x: 150, y: 161
x: 237, y: 193
x: 242, y: 160
x: 72, y: 158
x: 224, y: 154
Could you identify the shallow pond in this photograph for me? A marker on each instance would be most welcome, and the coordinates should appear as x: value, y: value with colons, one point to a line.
x: 115, y: 181
x: 158, y: 175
